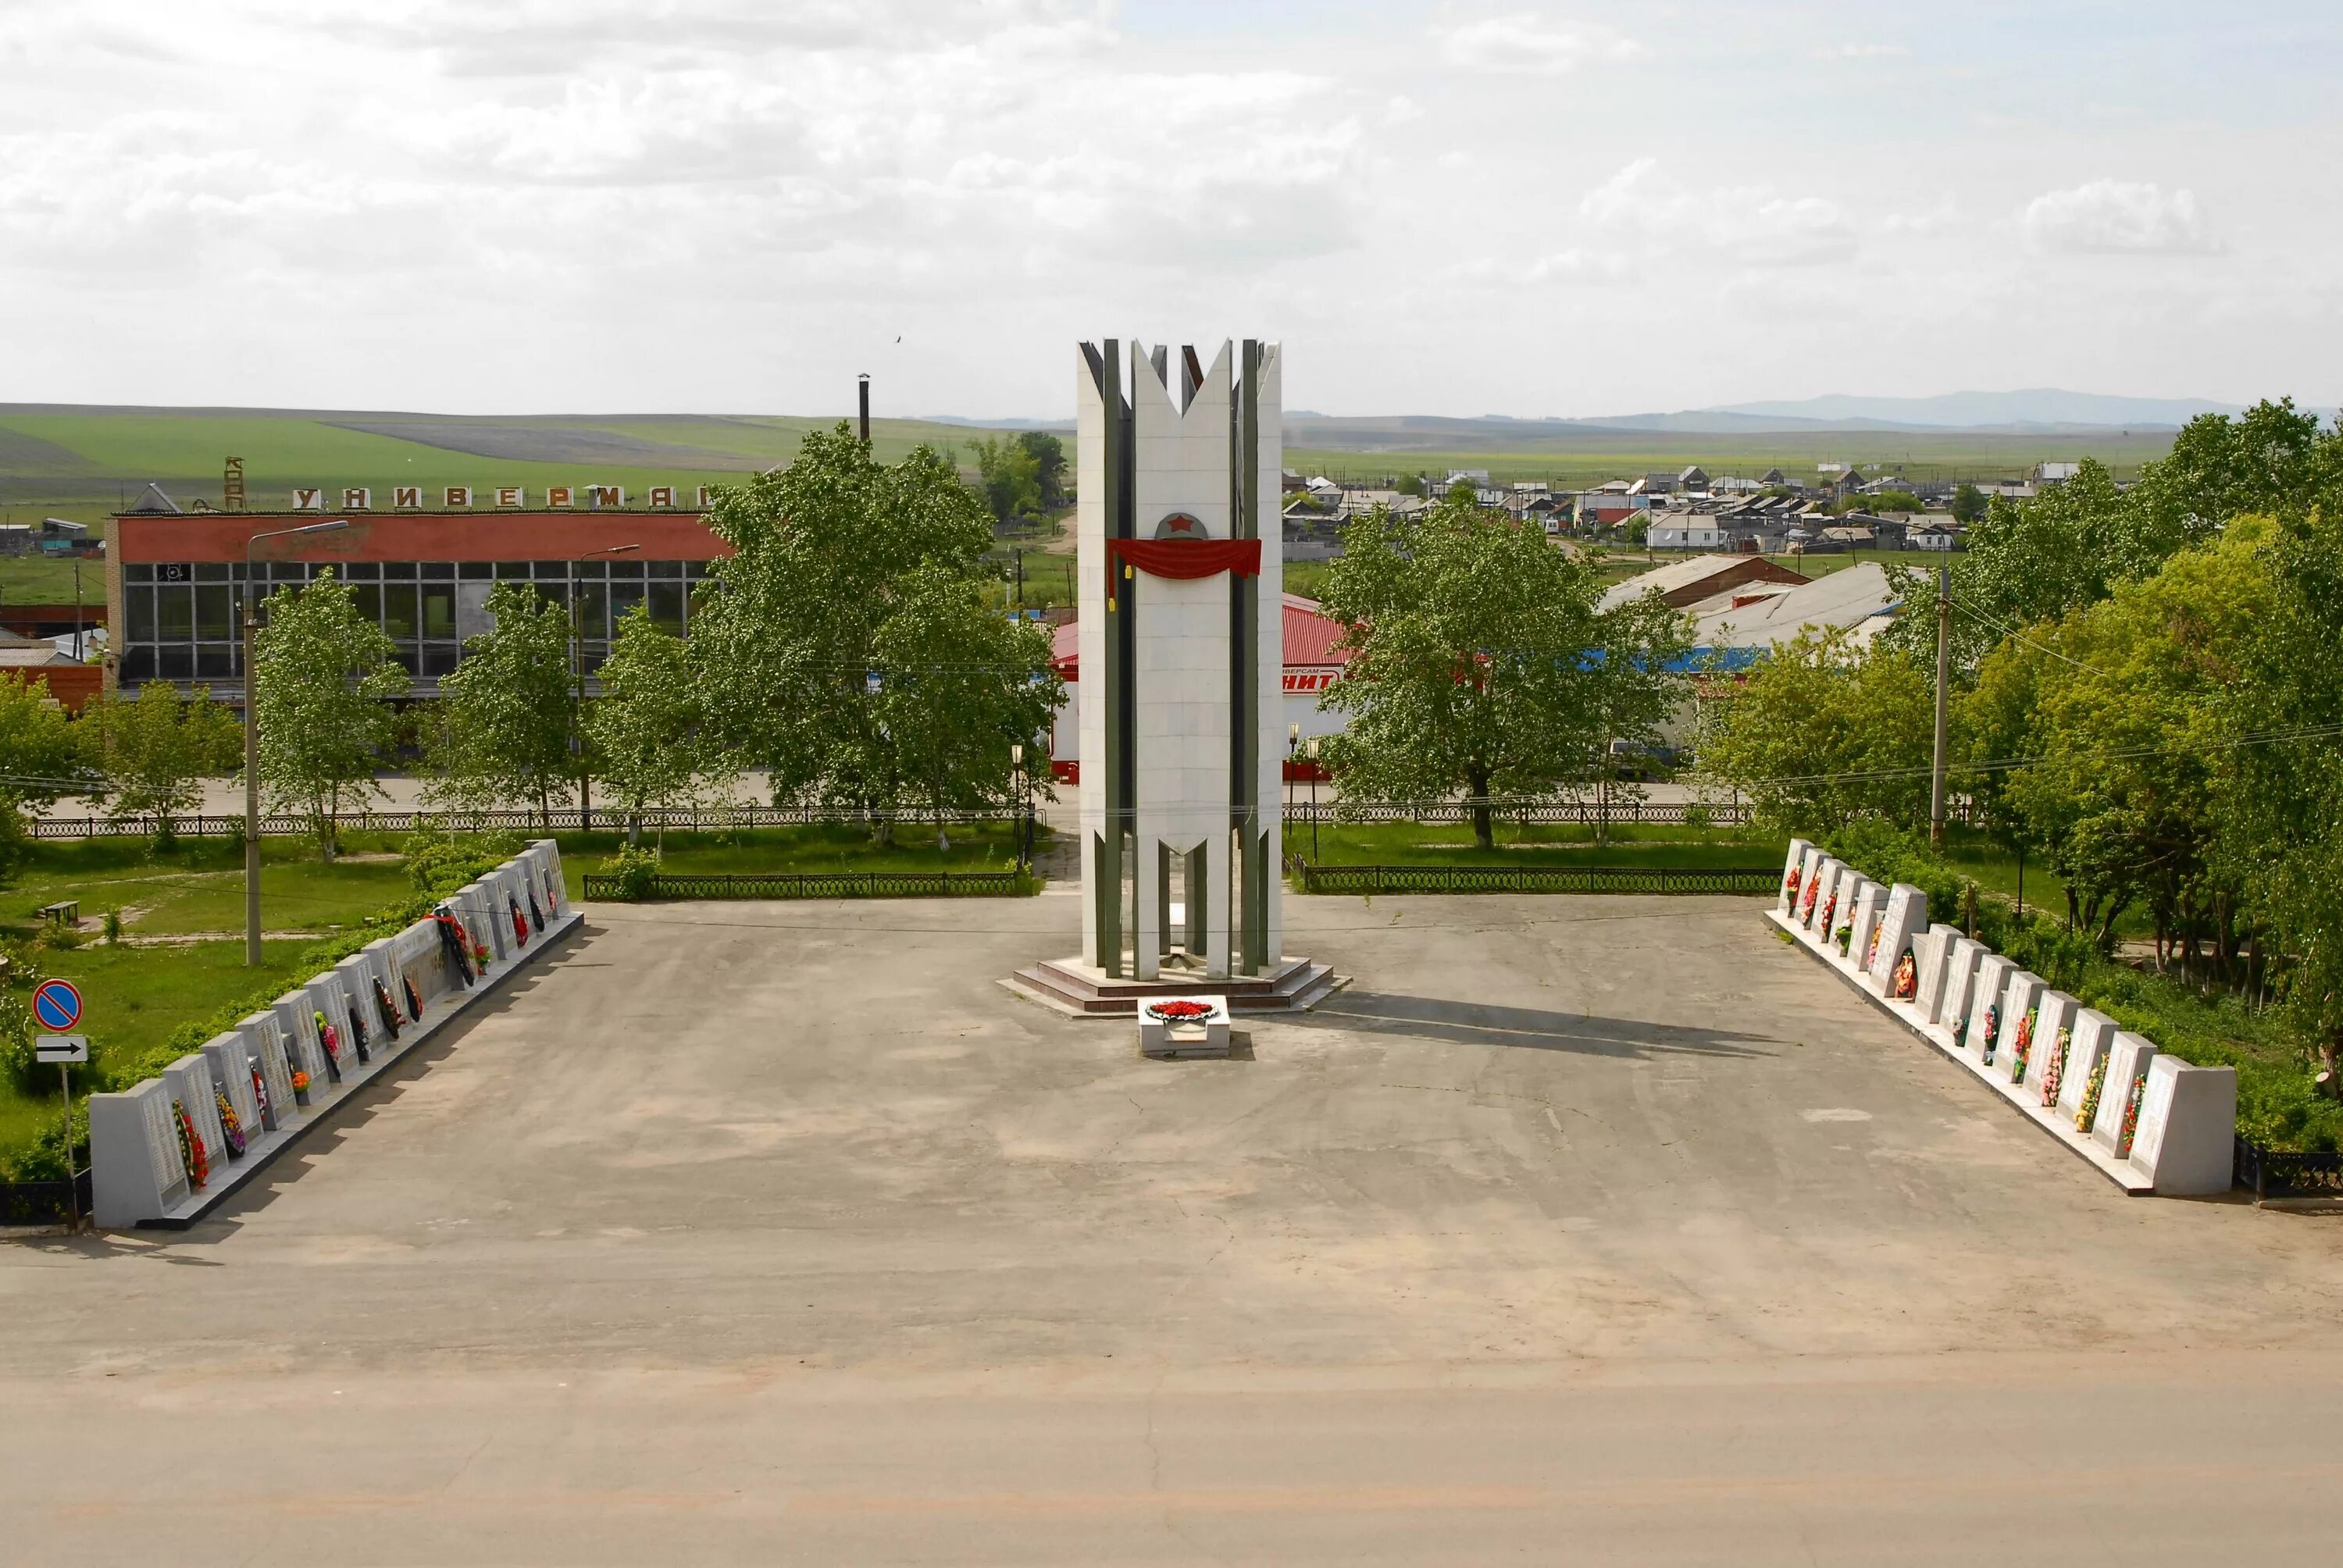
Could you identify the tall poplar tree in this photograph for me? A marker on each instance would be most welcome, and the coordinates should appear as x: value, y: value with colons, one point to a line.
x: 324, y: 679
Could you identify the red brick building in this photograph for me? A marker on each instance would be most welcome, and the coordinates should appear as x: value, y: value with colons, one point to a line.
x: 175, y: 580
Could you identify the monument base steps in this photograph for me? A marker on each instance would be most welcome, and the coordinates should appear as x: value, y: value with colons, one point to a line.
x: 1074, y: 988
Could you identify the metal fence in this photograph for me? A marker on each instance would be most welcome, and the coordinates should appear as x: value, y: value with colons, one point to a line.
x: 819, y: 885
x: 1370, y: 881
x: 2283, y: 1173
x: 44, y: 1202
x: 561, y: 820
x: 1616, y: 813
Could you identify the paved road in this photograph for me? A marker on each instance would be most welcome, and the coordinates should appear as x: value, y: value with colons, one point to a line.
x: 1579, y: 1229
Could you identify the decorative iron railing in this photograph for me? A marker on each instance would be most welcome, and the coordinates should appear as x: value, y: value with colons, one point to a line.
x: 2285, y: 1173
x: 1620, y: 813
x: 819, y: 885
x: 45, y: 1203
x: 1371, y: 880
x: 563, y: 820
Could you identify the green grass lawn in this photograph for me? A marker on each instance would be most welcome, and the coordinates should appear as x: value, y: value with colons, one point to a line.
x: 133, y: 997
x: 40, y: 580
x: 1538, y: 844
x: 983, y: 847
x: 199, y: 885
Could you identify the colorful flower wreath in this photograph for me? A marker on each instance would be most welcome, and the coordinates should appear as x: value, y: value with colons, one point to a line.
x: 1178, y: 1012
x: 2091, y: 1091
x: 1807, y: 907
x: 2054, y: 1069
x: 2023, y: 1047
x: 1906, y: 983
x: 1790, y: 884
x: 413, y: 999
x: 191, y: 1147
x: 2131, y: 1116
x: 300, y: 1081
x: 230, y: 1126
x: 1830, y: 908
x: 1992, y: 1029
x: 328, y: 1037
x: 1871, y: 947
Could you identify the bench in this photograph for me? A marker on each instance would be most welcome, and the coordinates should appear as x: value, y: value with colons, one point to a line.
x: 63, y: 912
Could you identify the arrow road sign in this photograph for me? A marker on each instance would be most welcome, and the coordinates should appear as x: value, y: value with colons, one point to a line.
x: 62, y: 1048
x: 57, y: 1004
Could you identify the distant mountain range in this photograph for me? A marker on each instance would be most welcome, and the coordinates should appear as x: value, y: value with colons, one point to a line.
x: 2034, y: 407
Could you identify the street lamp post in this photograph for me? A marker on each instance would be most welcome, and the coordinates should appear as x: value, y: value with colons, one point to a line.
x: 252, y: 739
x: 1314, y: 855
x: 1024, y: 802
x: 578, y: 681
x: 1292, y: 752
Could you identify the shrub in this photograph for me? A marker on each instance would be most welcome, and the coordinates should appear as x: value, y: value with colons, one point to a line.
x: 438, y: 863
x: 635, y: 872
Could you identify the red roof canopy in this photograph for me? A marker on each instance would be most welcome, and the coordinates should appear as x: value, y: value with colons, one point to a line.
x: 1310, y: 638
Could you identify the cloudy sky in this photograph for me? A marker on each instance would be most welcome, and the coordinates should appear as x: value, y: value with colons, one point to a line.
x: 734, y: 205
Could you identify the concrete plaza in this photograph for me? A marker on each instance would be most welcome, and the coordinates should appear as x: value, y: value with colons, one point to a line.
x: 1577, y: 1229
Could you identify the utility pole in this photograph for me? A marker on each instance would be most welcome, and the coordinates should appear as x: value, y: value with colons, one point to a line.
x: 862, y: 385
x: 1943, y: 680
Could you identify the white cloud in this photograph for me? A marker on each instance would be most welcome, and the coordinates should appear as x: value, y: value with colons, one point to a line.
x: 2115, y: 217
x: 1518, y: 44
x: 1868, y: 51
x: 1749, y: 225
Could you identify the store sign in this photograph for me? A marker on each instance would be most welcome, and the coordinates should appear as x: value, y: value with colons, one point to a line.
x: 407, y: 498
x: 660, y: 495
x: 308, y: 500
x: 1305, y: 682
x: 606, y: 496
x: 463, y: 497
x: 511, y: 496
x: 458, y: 495
x: 559, y: 496
x: 357, y: 500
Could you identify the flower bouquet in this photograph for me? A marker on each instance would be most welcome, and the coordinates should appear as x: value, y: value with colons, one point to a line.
x: 1177, y: 1011
x: 327, y: 1037
x: 2023, y: 1047
x: 231, y: 1128
x: 1871, y: 947
x: 2131, y: 1116
x: 1992, y: 1029
x: 191, y: 1147
x: 2054, y: 1069
x: 1906, y: 983
x: 1806, y: 905
x: 300, y: 1081
x: 1842, y: 937
x: 2090, y: 1111
x: 1830, y: 908
x: 1790, y: 886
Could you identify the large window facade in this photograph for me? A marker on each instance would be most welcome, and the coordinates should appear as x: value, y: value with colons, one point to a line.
x: 181, y: 621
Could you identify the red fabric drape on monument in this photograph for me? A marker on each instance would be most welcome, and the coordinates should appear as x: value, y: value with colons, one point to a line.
x: 1187, y: 559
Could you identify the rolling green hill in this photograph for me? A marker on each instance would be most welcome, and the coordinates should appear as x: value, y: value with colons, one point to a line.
x: 81, y: 463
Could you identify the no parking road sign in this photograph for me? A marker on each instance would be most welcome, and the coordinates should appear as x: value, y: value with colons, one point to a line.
x: 57, y: 1004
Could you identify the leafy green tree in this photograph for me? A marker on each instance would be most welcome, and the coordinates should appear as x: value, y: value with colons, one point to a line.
x: 1968, y: 504
x: 1410, y: 484
x: 1009, y: 476
x: 1483, y: 661
x: 644, y: 727
x: 43, y: 757
x: 1889, y: 501
x: 789, y: 647
x: 2130, y: 732
x: 1822, y: 734
x: 2282, y: 813
x: 945, y: 716
x: 156, y: 750
x: 1048, y: 454
x: 500, y: 732
x: 324, y: 679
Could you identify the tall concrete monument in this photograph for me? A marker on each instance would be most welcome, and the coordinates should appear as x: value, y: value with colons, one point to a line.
x: 1181, y: 615
x: 1181, y: 650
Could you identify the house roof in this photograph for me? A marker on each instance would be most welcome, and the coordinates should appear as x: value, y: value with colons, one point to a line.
x: 1310, y: 637
x: 152, y: 502
x: 1842, y: 600
x: 1686, y: 581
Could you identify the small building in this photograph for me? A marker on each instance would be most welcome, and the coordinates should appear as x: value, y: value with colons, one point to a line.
x: 1933, y: 536
x: 1681, y: 583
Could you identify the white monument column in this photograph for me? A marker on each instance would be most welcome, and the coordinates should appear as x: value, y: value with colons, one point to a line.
x: 1181, y: 657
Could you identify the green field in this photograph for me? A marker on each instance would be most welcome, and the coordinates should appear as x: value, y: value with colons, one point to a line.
x: 83, y: 463
x: 1578, y: 459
